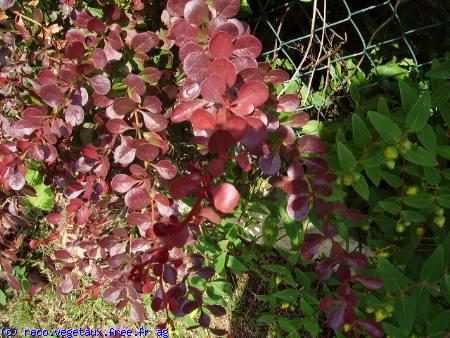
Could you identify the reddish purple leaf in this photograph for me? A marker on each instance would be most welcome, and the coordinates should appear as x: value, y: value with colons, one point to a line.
x: 137, y: 199
x: 184, y: 111
x: 176, y: 7
x: 311, y: 144
x: 74, y: 50
x: 202, y: 119
x: 13, y: 282
x: 147, y: 152
x: 213, y: 89
x: 68, y: 284
x: 154, y: 122
x: 137, y: 312
x: 183, y: 32
x: 226, y: 197
x: 150, y: 75
x: 166, y: 169
x: 135, y: 83
x: 125, y: 152
x: 204, y: 320
x: 101, y: 84
x: 74, y: 115
x: 276, y: 76
x: 336, y: 318
x: 370, y: 282
x: 189, y: 48
x: 221, y: 45
x: 289, y: 103
x: 52, y: 95
x: 217, y: 310
x: 196, y: 12
x: 311, y: 245
x: 298, y: 207
x: 95, y: 25
x: 35, y: 289
x: 255, y: 93
x: 270, y: 163
x: 372, y: 328
x: 195, y: 65
x: 295, y: 170
x: 62, y: 255
x: 220, y: 142
x: 143, y: 42
x: 256, y: 134
x: 117, y: 126
x: 358, y: 260
x: 112, y: 294
x: 247, y: 46
x: 297, y: 120
x: 227, y: 8
x: 123, y: 105
x: 123, y: 183
x: 225, y: 69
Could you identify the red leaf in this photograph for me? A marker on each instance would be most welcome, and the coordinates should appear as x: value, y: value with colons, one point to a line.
x: 220, y: 142
x: 256, y: 134
x: 311, y: 245
x: 154, y: 122
x: 123, y: 183
x: 195, y: 65
x: 189, y: 48
x: 74, y: 49
x: 147, y: 152
x: 101, y: 84
x: 62, y: 255
x: 252, y: 92
x: 150, y: 75
x: 52, y: 95
x: 298, y: 207
x: 135, y: 83
x: 270, y: 163
x: 125, y: 152
x: 247, y: 46
x: 137, y: 199
x: 176, y: 7
x: 213, y: 89
x: 13, y: 282
x: 211, y: 215
x: 370, y: 282
x: 123, y: 105
x: 276, y: 76
x: 202, y: 119
x: 225, y: 69
x: 166, y: 169
x: 311, y: 144
x: 290, y: 103
x: 295, y: 170
x: 297, y: 120
x: 227, y: 8
x: 226, y: 197
x: 143, y: 42
x: 117, y: 126
x: 35, y: 289
x: 183, y: 112
x: 372, y: 328
x: 221, y: 45
x: 137, y: 312
x: 74, y: 115
x: 196, y: 12
x: 182, y: 186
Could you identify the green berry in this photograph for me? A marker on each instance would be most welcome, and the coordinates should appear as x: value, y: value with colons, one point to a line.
x: 390, y: 164
x: 420, y: 231
x: 406, y: 146
x: 347, y: 180
x: 411, y: 191
x: 390, y: 153
x: 356, y: 176
x: 439, y: 221
x: 439, y: 212
x: 370, y: 309
x: 400, y: 227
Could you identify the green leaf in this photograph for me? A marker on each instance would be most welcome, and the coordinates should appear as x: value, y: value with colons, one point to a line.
x: 413, y: 216
x: 346, y: 158
x: 432, y: 175
x: 419, y: 201
x: 405, y: 312
x: 444, y: 200
x: 427, y: 137
x: 361, y: 187
x: 434, y: 266
x: 287, y: 294
x: 235, y: 265
x: 390, y: 207
x: 393, y: 180
x: 306, y: 308
x: 422, y: 157
x: 440, y: 71
x: 387, y: 128
x: 446, y: 288
x: 3, y: 299
x: 383, y: 107
x: 391, y: 70
x: 44, y: 199
x: 221, y: 262
x: 361, y: 134
x: 441, y: 95
x: 394, y: 331
x: 374, y: 174
x: 419, y: 113
x: 440, y: 324
x: 408, y: 95
x: 394, y: 280
x: 444, y: 151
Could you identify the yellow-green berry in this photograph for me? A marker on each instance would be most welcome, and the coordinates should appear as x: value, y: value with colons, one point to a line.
x: 420, y: 231
x: 400, y: 227
x: 390, y: 164
x: 390, y: 153
x: 439, y: 212
x: 411, y: 191
x: 439, y: 221
x: 347, y: 180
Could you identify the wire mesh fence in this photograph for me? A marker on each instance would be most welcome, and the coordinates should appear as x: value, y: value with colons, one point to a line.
x: 310, y: 37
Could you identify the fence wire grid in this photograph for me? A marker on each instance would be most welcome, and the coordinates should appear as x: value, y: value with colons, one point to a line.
x: 316, y: 34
